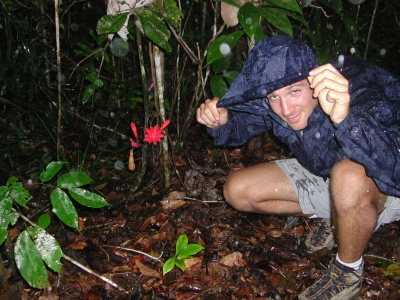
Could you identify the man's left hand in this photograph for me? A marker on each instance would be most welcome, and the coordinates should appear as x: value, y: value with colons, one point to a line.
x: 332, y: 91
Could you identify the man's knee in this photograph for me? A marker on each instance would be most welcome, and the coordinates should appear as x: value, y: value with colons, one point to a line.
x: 235, y: 191
x: 352, y: 187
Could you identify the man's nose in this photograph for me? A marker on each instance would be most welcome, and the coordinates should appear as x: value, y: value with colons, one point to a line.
x: 287, y: 106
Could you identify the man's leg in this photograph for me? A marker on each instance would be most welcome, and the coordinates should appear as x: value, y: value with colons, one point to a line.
x: 263, y: 188
x: 356, y: 205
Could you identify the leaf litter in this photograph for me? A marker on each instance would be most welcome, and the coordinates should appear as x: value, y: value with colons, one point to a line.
x: 246, y: 256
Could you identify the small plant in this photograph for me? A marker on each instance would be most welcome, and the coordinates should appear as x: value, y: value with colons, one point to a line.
x: 183, y: 251
x: 35, y: 248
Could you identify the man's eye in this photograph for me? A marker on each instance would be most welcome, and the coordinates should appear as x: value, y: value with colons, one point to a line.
x: 272, y: 97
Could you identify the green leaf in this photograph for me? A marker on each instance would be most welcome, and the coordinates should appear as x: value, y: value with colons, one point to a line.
x: 172, y: 14
x: 29, y: 261
x: 88, y: 198
x: 392, y: 270
x: 351, y: 28
x: 3, y: 235
x: 180, y: 264
x: 17, y: 192
x: 169, y: 265
x: 44, y: 221
x: 5, y: 201
x: 221, y: 65
x: 51, y: 170
x: 230, y: 76
x: 218, y: 86
x: 278, y: 18
x: 286, y: 4
x: 88, y: 92
x: 249, y: 18
x: 64, y: 208
x: 234, y: 3
x: 48, y: 248
x: 190, y: 250
x: 214, y: 51
x: 155, y: 29
x: 73, y: 179
x: 111, y: 23
x: 95, y: 79
x: 181, y: 243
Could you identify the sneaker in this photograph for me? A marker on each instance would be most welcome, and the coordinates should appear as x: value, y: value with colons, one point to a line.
x: 321, y: 236
x: 338, y: 283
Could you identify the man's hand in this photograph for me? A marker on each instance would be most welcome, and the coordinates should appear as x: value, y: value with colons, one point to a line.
x: 210, y: 115
x: 332, y: 91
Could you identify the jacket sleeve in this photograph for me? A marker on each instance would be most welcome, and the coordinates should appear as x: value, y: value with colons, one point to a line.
x: 240, y: 128
x: 370, y: 135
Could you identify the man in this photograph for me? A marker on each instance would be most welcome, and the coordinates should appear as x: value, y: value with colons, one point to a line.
x: 342, y: 123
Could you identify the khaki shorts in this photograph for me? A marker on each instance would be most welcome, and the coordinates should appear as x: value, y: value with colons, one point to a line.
x: 313, y: 193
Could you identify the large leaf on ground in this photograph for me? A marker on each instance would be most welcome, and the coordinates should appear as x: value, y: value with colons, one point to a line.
x: 51, y: 170
x: 17, y: 192
x: 73, y: 179
x: 48, y: 247
x: 29, y: 261
x: 88, y: 198
x: 155, y: 29
x: 64, y: 208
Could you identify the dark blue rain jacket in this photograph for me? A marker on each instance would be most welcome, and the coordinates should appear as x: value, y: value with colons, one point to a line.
x: 370, y: 134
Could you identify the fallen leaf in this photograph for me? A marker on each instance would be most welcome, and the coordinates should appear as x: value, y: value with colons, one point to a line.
x: 233, y: 260
x: 172, y: 204
x: 77, y: 246
x: 148, y: 271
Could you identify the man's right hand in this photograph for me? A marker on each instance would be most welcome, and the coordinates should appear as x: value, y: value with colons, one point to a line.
x: 210, y: 115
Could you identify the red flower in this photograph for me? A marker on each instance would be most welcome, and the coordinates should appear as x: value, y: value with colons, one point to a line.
x: 154, y: 134
x: 134, y: 130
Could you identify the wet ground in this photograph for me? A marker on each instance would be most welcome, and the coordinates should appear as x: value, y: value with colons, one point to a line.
x: 245, y: 256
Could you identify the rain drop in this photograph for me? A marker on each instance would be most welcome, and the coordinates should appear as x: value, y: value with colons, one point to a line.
x: 112, y: 114
x: 382, y: 52
x: 225, y: 49
x: 352, y: 50
x: 74, y: 27
x: 119, y: 47
x: 249, y: 21
x: 119, y: 165
x: 292, y: 139
x: 318, y: 135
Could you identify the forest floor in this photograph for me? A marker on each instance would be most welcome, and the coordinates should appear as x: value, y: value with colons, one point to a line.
x: 245, y: 256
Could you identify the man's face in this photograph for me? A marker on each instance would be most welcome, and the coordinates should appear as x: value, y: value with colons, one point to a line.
x: 293, y: 104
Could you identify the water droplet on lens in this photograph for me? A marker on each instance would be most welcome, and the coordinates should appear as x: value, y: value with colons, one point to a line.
x: 119, y: 47
x: 225, y: 49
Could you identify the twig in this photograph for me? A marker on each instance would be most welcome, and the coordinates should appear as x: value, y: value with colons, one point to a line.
x: 109, y: 281
x: 135, y: 251
x: 206, y: 201
x: 383, y: 258
x: 370, y: 28
x: 93, y: 273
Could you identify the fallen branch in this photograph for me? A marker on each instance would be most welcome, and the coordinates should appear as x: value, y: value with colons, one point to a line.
x: 136, y: 251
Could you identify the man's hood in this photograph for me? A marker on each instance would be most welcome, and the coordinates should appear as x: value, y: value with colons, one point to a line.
x: 272, y: 64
